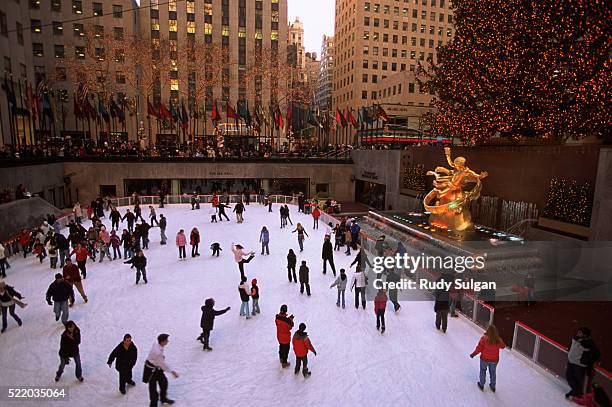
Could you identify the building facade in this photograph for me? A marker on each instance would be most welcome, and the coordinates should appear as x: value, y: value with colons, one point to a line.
x: 41, y: 44
x: 326, y: 74
x: 40, y: 41
x: 375, y: 40
x: 295, y: 36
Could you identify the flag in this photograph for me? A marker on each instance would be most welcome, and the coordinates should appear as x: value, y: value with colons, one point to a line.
x: 340, y: 118
x: 272, y: 116
x: 174, y: 112
x: 278, y: 120
x: 311, y: 119
x: 230, y: 112
x: 243, y: 111
x: 151, y: 111
x: 164, y: 113
x: 215, y: 116
x: 381, y: 114
x: 47, y: 110
x: 111, y: 108
x: 351, y: 118
x: 102, y: 110
x: 184, y: 116
x: 33, y: 102
x: 289, y: 118
x: 76, y: 109
x: 119, y: 111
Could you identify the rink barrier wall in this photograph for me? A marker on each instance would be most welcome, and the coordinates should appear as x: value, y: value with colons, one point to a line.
x: 473, y: 309
x: 550, y: 355
x: 203, y: 199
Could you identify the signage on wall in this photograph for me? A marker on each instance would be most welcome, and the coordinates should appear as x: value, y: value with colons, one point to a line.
x: 220, y: 174
x: 369, y: 175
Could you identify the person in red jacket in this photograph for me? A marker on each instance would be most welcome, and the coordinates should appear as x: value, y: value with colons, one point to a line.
x: 380, y: 305
x: 24, y: 241
x: 71, y: 275
x: 284, y: 325
x: 82, y: 254
x: 301, y: 346
x: 488, y: 347
x: 316, y: 214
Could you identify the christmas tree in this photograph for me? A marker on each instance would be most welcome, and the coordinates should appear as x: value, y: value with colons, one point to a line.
x: 523, y: 69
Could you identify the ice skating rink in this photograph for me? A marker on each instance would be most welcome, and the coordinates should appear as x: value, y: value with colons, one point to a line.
x: 413, y: 364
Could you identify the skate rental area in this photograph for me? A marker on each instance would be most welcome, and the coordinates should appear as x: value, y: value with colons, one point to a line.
x: 412, y: 363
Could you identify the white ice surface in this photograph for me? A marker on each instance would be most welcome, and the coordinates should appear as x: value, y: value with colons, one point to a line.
x: 413, y: 364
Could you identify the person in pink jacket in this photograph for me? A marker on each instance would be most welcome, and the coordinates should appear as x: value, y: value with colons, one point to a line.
x: 239, y: 254
x: 488, y: 347
x: 105, y: 239
x: 181, y: 241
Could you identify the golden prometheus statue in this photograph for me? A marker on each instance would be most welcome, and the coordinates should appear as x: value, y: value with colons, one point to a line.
x: 448, y: 203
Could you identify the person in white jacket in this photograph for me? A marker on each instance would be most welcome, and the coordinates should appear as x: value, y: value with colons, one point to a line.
x: 3, y: 262
x: 359, y: 284
x: 156, y: 361
x: 78, y: 213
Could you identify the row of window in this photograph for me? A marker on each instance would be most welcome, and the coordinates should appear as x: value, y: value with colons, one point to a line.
x: 376, y: 8
x: 387, y: 23
x: 375, y: 36
x: 77, y: 7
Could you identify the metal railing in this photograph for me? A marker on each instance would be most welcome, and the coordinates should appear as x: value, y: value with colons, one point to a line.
x: 203, y: 199
x: 550, y: 356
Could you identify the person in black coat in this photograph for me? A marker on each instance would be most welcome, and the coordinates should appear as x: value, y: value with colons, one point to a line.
x: 69, y: 348
x: 304, y: 278
x: 442, y: 305
x: 140, y: 263
x: 328, y: 255
x: 207, y: 321
x: 291, y: 262
x: 221, y: 207
x: 239, y: 209
x: 115, y: 217
x: 361, y: 260
x: 124, y: 355
x: 61, y: 292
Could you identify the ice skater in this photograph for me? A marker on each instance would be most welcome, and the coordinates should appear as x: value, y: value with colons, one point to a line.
x: 140, y: 263
x: 69, y: 348
x: 239, y: 254
x: 488, y: 347
x: 301, y: 346
x: 304, y: 273
x: 359, y: 283
x: 300, y: 234
x: 264, y: 239
x: 216, y: 249
x: 207, y: 321
x: 163, y: 224
x: 213, y: 214
x: 181, y: 241
x: 153, y: 216
x: 72, y: 276
x: 341, y: 283
x: 243, y: 290
x: 284, y: 325
x: 255, y: 297
x: 222, y: 213
x: 239, y: 209
x: 124, y: 355
x: 380, y: 306
x: 194, y: 241
x: 316, y: 214
x: 291, y: 262
x: 61, y: 292
x: 327, y: 254
x: 155, y: 366
x: 8, y: 298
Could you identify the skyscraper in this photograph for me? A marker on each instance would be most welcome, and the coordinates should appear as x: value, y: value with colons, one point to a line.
x: 375, y: 40
x: 326, y: 74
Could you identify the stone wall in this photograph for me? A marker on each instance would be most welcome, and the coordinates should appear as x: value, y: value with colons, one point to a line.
x: 24, y: 213
x: 88, y: 176
x: 37, y: 178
